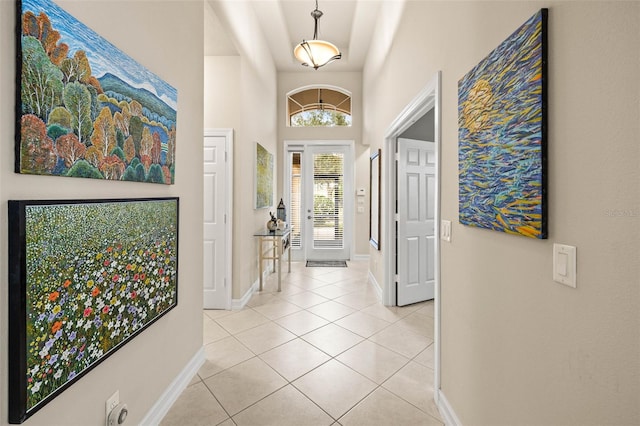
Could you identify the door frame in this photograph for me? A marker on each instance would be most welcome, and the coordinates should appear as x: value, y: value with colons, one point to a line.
x: 348, y: 200
x: 228, y: 207
x: 428, y: 98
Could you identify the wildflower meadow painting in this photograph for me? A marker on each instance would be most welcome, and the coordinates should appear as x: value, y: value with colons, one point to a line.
x: 85, y: 108
x: 84, y: 278
x: 502, y: 135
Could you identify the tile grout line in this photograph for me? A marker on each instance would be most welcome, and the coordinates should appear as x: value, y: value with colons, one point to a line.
x: 274, y: 297
x: 332, y: 357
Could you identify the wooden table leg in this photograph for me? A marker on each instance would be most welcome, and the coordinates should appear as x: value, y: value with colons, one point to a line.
x: 279, y: 266
x: 260, y: 261
x: 275, y: 246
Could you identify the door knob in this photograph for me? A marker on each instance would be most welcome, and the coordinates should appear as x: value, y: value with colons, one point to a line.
x: 308, y: 217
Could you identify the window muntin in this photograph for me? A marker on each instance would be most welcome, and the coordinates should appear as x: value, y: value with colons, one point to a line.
x: 319, y: 107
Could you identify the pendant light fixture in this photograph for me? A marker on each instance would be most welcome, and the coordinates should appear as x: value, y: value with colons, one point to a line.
x: 316, y: 53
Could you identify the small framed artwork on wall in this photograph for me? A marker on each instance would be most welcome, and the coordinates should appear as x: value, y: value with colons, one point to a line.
x: 263, y: 177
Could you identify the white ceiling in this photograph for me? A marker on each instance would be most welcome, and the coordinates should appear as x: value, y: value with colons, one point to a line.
x: 349, y: 24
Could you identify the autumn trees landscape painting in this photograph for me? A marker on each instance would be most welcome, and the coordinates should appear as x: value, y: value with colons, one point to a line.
x: 85, y: 108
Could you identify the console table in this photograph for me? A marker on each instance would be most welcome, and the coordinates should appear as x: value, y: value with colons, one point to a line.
x: 272, y: 245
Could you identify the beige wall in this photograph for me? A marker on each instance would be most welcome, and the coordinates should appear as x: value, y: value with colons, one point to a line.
x: 351, y: 81
x: 236, y: 97
x: 518, y: 348
x: 222, y: 84
x: 164, y: 38
x: 242, y: 93
x: 258, y: 124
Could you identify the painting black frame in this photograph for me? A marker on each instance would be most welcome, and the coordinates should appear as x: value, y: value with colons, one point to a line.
x: 18, y: 299
x: 375, y: 182
x: 501, y: 178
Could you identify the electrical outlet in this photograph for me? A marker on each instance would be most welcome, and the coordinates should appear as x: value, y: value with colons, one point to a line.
x: 112, y: 402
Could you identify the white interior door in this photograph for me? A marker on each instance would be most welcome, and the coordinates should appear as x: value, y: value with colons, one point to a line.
x: 416, y: 221
x: 328, y: 207
x: 216, y: 294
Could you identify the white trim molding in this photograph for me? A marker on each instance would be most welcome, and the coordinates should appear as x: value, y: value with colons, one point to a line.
x: 172, y: 393
x: 446, y: 411
x: 429, y: 98
x: 376, y: 286
x: 237, y: 304
x: 360, y: 257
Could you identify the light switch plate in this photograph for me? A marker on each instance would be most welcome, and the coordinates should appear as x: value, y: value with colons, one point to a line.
x: 445, y: 230
x: 564, y: 265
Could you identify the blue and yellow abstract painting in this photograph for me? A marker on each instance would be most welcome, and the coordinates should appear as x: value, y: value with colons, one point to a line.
x: 501, y: 135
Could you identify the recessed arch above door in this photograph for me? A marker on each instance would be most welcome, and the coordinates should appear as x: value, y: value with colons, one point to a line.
x: 319, y: 106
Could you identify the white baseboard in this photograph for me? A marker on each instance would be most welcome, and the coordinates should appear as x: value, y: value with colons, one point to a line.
x: 446, y: 411
x: 360, y: 257
x: 237, y: 304
x: 175, y: 389
x: 376, y: 286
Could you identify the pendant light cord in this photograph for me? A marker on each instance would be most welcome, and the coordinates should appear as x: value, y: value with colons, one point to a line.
x: 316, y: 14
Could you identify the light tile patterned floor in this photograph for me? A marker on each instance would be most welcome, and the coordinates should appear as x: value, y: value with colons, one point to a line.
x: 324, y: 351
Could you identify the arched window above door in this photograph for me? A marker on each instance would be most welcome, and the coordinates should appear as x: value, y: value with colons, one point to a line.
x: 319, y: 106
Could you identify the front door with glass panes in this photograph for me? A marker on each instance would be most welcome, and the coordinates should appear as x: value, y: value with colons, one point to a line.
x: 320, y: 182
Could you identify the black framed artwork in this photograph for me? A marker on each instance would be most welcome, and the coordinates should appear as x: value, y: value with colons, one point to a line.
x: 502, y: 135
x: 85, y: 277
x: 375, y: 208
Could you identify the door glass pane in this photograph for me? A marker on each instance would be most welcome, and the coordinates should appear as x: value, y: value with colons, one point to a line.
x: 296, y: 199
x: 328, y: 200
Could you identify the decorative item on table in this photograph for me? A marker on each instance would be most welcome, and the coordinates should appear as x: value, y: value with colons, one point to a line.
x: 272, y: 224
x: 282, y: 212
x: 281, y: 225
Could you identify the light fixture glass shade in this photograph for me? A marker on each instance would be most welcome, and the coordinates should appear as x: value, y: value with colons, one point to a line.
x: 316, y: 53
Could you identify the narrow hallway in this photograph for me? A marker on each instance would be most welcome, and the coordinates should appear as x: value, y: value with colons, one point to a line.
x: 324, y: 351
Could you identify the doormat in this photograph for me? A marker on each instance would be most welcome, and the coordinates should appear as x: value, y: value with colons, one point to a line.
x: 327, y: 263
